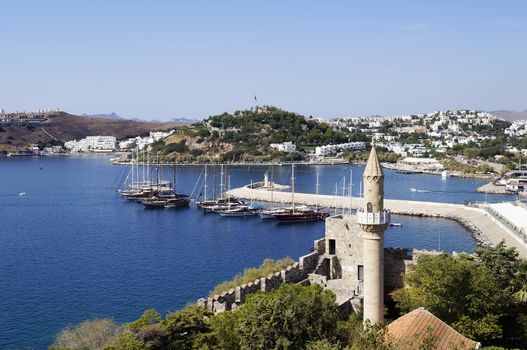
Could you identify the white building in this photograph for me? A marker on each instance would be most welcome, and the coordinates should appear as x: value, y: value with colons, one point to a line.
x: 326, y: 150
x: 419, y: 164
x: 286, y: 147
x: 142, y: 142
x: 92, y: 144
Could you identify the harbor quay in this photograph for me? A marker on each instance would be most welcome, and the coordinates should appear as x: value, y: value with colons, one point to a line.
x: 487, y: 228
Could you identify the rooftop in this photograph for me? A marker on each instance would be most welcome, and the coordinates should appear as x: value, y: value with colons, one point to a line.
x: 419, y: 325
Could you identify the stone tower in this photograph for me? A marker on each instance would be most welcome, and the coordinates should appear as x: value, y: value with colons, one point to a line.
x: 373, y: 220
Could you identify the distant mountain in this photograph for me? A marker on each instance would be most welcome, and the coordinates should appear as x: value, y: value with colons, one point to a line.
x: 510, y: 115
x: 185, y: 121
x: 112, y: 115
x: 115, y: 116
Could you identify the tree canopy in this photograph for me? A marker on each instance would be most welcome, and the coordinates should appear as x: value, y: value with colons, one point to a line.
x: 475, y: 295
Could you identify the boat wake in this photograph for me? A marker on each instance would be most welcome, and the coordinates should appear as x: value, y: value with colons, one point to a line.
x: 420, y: 191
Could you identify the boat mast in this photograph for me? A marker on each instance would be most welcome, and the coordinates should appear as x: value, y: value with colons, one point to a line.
x: 293, y: 186
x: 222, y: 186
x: 336, y: 196
x: 316, y: 196
x: 272, y: 184
x: 143, y: 169
x: 148, y: 168
x: 132, y: 163
x: 214, y: 184
x: 205, y: 187
x: 174, y: 178
x: 137, y: 167
x: 343, y: 194
x: 228, y: 189
x: 158, y: 171
x: 351, y: 189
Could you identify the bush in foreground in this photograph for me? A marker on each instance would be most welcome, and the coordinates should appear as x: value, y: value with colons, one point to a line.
x: 96, y: 334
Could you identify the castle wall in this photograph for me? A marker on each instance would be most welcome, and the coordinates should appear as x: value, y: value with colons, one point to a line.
x: 233, y: 298
x: 345, y: 231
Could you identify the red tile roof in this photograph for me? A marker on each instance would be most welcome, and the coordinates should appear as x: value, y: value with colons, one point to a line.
x: 419, y: 325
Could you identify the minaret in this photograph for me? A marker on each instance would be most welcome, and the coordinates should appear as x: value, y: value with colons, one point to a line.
x: 373, y: 220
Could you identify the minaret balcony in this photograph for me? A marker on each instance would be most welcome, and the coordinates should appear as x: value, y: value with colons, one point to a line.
x: 365, y: 218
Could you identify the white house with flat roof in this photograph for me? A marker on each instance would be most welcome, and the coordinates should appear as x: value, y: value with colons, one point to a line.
x: 286, y: 147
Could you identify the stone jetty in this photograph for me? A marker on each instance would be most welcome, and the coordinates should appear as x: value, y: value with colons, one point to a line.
x: 491, y: 188
x: 485, y: 228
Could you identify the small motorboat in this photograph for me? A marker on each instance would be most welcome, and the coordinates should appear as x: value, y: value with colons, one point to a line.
x: 396, y: 224
x: 21, y: 194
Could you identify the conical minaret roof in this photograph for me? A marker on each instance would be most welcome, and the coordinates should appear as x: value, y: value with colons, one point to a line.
x: 373, y: 167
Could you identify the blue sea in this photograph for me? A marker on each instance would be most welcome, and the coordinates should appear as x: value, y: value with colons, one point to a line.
x: 72, y: 249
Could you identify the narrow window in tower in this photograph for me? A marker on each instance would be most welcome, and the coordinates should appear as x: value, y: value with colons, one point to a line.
x: 332, y: 247
x: 360, y: 273
x: 369, y: 207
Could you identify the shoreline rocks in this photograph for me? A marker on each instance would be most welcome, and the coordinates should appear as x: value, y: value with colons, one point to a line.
x: 480, y: 237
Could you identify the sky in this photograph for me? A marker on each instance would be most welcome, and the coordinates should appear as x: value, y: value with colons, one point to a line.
x: 174, y: 59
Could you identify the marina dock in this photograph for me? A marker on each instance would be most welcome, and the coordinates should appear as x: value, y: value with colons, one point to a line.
x: 485, y: 227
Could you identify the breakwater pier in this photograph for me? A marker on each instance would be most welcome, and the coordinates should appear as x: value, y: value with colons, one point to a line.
x: 486, y: 228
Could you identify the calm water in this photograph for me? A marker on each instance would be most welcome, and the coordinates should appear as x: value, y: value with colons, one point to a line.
x: 72, y: 249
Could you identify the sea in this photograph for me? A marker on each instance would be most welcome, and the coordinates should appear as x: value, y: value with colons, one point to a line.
x: 72, y: 249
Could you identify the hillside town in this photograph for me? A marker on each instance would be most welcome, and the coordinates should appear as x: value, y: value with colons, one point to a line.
x: 433, y: 132
x: 419, y: 136
x: 38, y: 116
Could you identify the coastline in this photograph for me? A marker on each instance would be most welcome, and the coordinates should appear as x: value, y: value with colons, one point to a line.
x: 118, y: 161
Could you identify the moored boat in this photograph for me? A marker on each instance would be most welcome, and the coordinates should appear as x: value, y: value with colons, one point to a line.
x: 302, y: 216
x: 270, y: 213
x: 238, y: 211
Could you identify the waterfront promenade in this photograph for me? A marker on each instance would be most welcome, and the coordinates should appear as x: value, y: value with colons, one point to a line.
x: 477, y: 220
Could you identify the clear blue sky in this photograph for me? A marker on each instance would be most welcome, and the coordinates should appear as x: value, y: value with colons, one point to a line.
x: 167, y: 59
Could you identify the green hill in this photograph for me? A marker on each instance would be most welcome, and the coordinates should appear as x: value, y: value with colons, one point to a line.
x: 247, y: 135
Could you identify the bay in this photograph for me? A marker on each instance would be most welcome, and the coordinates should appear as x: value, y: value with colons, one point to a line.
x: 72, y: 249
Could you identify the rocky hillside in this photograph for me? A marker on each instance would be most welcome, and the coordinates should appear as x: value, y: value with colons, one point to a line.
x: 511, y: 115
x: 63, y: 127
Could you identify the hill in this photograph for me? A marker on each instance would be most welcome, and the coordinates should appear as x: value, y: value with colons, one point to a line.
x: 247, y: 135
x: 511, y: 115
x: 62, y: 127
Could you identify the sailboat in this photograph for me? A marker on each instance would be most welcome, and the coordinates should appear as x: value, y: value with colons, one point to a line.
x: 294, y: 214
x: 225, y: 201
x: 139, y: 189
x: 270, y: 213
x: 166, y: 198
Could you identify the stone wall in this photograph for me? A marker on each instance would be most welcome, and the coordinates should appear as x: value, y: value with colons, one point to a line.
x: 296, y: 273
x: 231, y: 299
x: 309, y: 261
x: 395, y: 265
